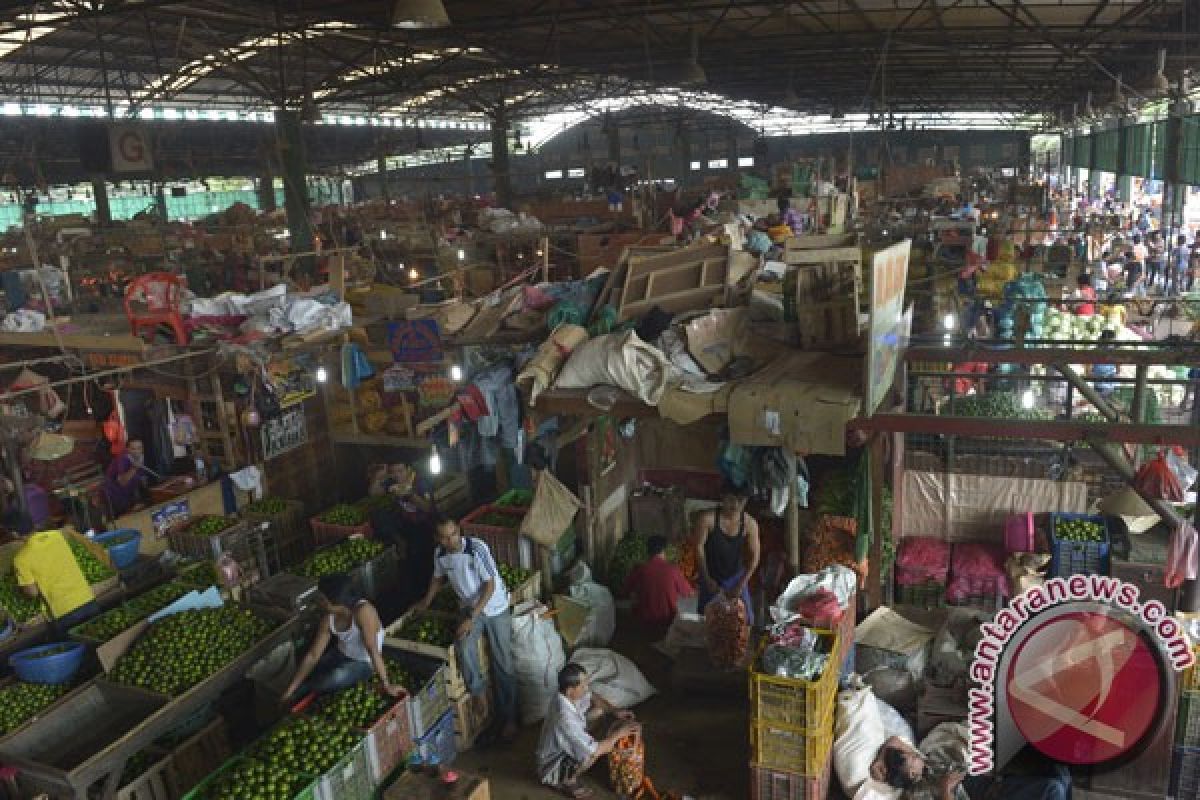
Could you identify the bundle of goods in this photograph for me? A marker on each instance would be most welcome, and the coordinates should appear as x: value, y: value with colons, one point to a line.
x: 793, y: 651
x: 631, y: 551
x: 977, y: 576
x: 832, y: 543
x: 922, y: 564
x: 727, y: 631
x: 181, y: 650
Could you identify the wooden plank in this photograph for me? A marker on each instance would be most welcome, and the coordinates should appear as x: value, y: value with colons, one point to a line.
x: 118, y: 342
x: 378, y: 440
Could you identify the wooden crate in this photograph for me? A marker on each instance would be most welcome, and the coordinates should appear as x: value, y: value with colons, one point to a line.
x: 468, y: 724
x: 193, y: 759
x: 830, y: 324
x: 456, y: 685
x: 156, y: 783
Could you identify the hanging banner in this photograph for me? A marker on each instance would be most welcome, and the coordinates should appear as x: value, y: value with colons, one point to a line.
x: 284, y: 433
x: 129, y: 146
x: 889, y: 273
x: 414, y: 341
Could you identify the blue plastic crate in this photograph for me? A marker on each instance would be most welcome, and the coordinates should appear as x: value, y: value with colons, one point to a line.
x: 438, y: 745
x: 1078, y: 558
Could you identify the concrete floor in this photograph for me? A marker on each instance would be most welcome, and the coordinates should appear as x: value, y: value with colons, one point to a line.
x: 696, y: 744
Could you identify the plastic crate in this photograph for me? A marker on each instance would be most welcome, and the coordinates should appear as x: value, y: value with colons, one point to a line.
x: 1188, y: 725
x: 1185, y: 773
x: 1078, y: 558
x: 437, y: 746
x: 507, y: 546
x: 929, y: 594
x: 326, y: 533
x: 777, y: 747
x: 452, y: 678
x: 794, y: 703
x: 349, y: 779
x: 771, y: 784
x: 243, y: 542
x: 389, y: 742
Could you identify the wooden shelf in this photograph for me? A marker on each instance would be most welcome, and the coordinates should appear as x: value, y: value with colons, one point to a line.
x: 378, y: 440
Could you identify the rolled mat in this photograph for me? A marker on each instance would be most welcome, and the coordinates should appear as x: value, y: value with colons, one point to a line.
x: 543, y: 368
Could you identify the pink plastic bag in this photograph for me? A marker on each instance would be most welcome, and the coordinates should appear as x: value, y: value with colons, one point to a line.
x: 1018, y: 534
x: 976, y: 573
x: 1183, y: 556
x: 920, y: 559
x: 821, y: 608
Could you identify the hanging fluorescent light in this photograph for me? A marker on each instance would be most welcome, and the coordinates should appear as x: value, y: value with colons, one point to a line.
x: 417, y: 14
x: 413, y: 274
x: 1027, y: 399
x: 950, y: 322
x: 435, y: 462
x: 322, y: 374
x: 456, y: 373
x: 462, y: 255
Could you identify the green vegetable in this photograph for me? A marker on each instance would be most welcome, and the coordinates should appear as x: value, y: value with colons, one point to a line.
x: 994, y: 405
x: 341, y: 557
x: 211, y: 526
x: 499, y: 519
x: 631, y: 551
x: 20, y: 702
x: 181, y: 650
x: 514, y: 576
x: 20, y: 606
x: 254, y: 779
x: 311, y: 745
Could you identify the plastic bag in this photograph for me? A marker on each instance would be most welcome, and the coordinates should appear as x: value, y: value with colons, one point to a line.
x: 920, y: 559
x: 1184, y: 471
x: 1155, y: 479
x: 1183, y: 556
x: 627, y: 765
x: 726, y: 631
x: 601, y: 622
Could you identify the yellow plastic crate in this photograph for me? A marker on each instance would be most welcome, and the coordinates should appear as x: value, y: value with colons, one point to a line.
x: 778, y: 747
x: 791, y: 702
x: 1191, y: 676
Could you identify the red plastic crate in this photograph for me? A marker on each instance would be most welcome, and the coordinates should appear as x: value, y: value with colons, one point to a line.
x: 771, y: 784
x: 505, y: 543
x: 325, y: 533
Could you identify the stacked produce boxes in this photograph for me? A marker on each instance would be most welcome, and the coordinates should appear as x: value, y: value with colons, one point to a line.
x: 791, y: 727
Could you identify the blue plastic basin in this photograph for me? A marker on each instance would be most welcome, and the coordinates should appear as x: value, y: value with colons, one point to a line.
x: 124, y: 554
x: 57, y: 668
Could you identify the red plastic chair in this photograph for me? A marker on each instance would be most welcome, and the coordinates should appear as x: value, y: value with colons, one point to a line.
x: 161, y: 293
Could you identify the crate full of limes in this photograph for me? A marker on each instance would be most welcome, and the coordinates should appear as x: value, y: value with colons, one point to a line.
x: 340, y: 522
x: 1079, y: 545
x: 341, y: 558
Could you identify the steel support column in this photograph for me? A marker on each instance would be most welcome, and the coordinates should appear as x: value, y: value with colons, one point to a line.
x: 290, y: 138
x: 501, y: 171
x: 100, y: 195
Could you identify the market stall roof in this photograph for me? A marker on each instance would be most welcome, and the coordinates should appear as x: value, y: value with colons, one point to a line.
x: 345, y: 58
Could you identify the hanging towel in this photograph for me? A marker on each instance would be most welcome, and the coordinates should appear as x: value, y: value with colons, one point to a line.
x: 248, y: 480
x: 1183, y: 556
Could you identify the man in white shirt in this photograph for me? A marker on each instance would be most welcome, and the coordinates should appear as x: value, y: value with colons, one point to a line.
x: 467, y: 565
x: 565, y: 749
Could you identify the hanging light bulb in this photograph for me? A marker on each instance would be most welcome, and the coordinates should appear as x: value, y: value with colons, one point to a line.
x: 462, y: 254
x: 1027, y: 399
x: 950, y: 321
x: 413, y: 274
x: 322, y: 374
x: 456, y: 373
x: 435, y: 462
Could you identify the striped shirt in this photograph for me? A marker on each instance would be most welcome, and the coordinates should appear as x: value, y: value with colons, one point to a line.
x: 467, y: 571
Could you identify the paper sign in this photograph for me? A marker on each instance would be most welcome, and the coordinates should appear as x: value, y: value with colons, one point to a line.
x: 889, y: 273
x: 284, y: 433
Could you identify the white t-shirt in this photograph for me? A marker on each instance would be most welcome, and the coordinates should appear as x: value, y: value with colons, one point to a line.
x: 468, y: 570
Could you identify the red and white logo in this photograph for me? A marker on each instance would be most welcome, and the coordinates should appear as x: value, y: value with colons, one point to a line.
x: 1084, y: 687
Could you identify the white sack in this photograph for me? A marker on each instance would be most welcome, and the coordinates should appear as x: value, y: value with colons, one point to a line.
x: 687, y: 630
x: 614, y: 677
x: 858, y: 735
x: 259, y: 302
x: 894, y: 723
x: 622, y: 360
x: 601, y: 622
x: 537, y: 658
x: 220, y: 306
x: 25, y: 320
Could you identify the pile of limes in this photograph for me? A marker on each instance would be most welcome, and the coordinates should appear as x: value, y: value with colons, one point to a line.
x: 20, y: 606
x: 211, y: 526
x: 341, y: 558
x: 343, y: 514
x: 428, y: 629
x: 268, y: 506
x: 95, y: 570
x: 310, y: 745
x: 1078, y: 530
x: 254, y: 779
x: 129, y: 613
x: 21, y: 701
x: 514, y: 576
x: 181, y: 650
